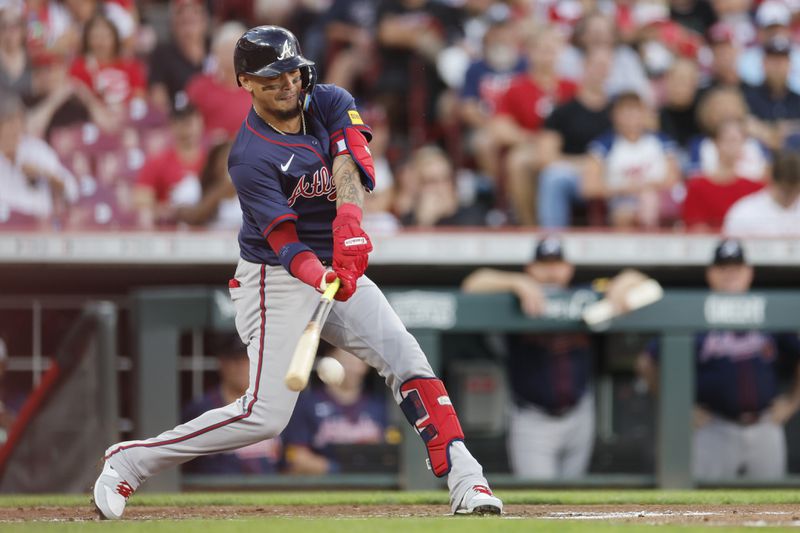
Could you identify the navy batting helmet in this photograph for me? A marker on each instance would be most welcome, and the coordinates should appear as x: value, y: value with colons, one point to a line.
x: 270, y: 51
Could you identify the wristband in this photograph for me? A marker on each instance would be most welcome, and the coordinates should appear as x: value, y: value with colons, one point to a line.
x: 289, y: 251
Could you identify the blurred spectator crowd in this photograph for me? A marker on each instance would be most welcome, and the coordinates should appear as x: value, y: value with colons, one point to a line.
x: 607, y: 113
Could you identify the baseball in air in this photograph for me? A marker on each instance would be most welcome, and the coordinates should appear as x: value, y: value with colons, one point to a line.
x: 330, y: 371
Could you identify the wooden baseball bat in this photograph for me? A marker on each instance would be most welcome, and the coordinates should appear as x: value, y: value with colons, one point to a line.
x: 305, y: 351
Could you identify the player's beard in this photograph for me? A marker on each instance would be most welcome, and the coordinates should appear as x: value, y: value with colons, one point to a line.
x: 288, y: 114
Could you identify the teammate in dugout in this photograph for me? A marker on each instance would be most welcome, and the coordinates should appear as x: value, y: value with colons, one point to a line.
x: 551, y: 419
x: 301, y: 165
x: 739, y: 410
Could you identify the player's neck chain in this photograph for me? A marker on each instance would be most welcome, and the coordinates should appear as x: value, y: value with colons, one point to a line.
x: 302, y: 123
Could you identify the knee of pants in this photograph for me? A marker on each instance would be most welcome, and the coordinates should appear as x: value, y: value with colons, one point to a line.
x: 266, y: 423
x: 413, y: 362
x: 406, y: 362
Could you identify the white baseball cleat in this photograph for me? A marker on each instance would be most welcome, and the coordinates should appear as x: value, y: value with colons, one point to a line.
x: 479, y: 500
x: 111, y: 493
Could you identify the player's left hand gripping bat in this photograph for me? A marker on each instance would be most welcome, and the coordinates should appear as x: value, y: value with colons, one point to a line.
x: 305, y: 351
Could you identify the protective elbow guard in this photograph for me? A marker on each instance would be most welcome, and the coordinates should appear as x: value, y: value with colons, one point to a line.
x: 428, y: 408
x: 353, y: 141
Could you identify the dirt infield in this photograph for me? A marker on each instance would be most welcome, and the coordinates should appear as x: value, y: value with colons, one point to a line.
x: 717, y: 515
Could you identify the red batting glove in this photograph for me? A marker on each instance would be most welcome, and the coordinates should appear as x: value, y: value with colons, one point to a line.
x: 351, y: 245
x: 347, y: 285
x: 307, y: 268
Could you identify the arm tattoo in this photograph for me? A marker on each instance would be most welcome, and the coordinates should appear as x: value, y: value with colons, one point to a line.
x: 347, y: 180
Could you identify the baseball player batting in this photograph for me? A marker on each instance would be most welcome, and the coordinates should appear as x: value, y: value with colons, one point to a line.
x: 301, y: 165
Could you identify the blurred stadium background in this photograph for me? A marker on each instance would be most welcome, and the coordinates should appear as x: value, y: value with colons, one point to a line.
x: 118, y: 232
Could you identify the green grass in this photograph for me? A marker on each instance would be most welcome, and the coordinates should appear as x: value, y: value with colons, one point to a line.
x: 443, y: 524
x: 510, y: 497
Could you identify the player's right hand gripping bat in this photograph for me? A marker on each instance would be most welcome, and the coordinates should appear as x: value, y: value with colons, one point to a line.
x: 305, y: 351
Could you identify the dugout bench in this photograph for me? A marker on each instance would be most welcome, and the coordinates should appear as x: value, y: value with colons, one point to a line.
x: 158, y: 316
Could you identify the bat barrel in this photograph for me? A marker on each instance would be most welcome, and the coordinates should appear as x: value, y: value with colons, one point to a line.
x: 303, y: 358
x: 299, y: 370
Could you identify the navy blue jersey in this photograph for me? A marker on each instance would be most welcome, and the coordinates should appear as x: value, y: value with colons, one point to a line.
x: 484, y: 83
x: 319, y: 421
x: 737, y: 370
x: 551, y: 371
x: 766, y: 106
x: 288, y: 177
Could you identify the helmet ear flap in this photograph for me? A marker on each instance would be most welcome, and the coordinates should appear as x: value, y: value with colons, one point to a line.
x: 308, y: 77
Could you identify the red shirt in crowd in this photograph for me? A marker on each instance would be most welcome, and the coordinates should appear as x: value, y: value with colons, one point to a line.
x: 223, y: 107
x: 164, y: 171
x: 529, y: 105
x: 707, y: 202
x: 128, y: 5
x: 113, y: 82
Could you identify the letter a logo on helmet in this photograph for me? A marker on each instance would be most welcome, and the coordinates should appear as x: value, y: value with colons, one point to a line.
x: 286, y: 51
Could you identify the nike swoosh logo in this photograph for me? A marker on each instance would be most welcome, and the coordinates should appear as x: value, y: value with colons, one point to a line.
x: 285, y: 167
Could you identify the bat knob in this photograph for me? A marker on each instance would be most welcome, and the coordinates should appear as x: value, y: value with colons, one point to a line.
x: 295, y: 383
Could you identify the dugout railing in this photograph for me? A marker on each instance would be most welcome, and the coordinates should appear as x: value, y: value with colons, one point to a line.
x: 160, y: 315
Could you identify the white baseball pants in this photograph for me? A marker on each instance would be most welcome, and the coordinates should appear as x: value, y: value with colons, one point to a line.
x: 272, y: 309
